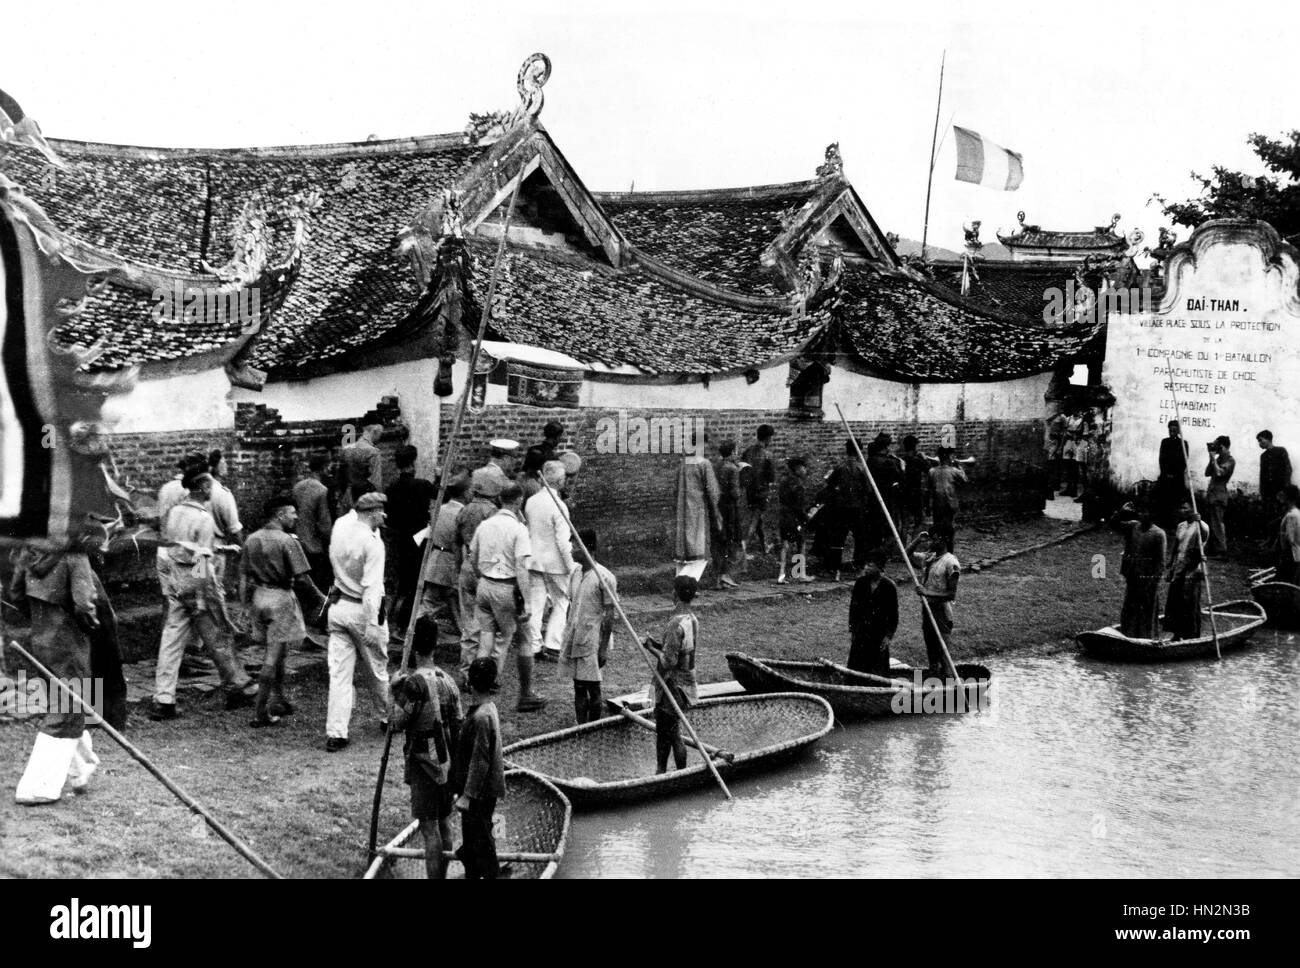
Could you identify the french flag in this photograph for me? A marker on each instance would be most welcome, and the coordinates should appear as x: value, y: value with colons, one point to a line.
x: 982, y: 162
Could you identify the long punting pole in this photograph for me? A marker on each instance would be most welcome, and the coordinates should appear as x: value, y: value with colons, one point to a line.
x: 448, y: 453
x: 653, y: 666
x: 934, y: 139
x: 902, y: 548
x: 244, y: 850
x: 1200, y: 541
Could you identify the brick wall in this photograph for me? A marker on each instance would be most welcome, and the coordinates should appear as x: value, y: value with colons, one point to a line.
x: 629, y: 497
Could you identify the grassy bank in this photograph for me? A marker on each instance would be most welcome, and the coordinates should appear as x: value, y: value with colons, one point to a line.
x: 307, y: 812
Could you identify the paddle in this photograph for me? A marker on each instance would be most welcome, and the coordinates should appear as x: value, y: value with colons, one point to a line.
x: 854, y: 673
x: 418, y: 595
x: 626, y: 713
x: 907, y: 560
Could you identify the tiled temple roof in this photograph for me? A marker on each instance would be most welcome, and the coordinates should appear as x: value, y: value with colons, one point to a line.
x: 630, y: 316
x: 718, y: 236
x: 1101, y: 238
x: 178, y: 208
x: 918, y: 331
x: 1015, y: 288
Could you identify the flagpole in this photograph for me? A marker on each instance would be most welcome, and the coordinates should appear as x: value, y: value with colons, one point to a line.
x: 934, y: 140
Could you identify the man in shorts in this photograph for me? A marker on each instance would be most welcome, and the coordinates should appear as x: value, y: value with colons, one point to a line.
x: 276, y: 572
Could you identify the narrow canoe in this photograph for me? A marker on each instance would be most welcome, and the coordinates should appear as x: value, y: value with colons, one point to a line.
x: 1281, y: 602
x: 534, y: 818
x: 855, y: 695
x: 1237, y: 622
x: 612, y: 760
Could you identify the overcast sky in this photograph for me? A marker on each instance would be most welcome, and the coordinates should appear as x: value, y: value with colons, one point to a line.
x: 1108, y: 102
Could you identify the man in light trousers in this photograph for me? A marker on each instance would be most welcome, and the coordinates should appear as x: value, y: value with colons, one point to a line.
x: 550, y: 537
x: 500, y: 555
x: 358, y: 626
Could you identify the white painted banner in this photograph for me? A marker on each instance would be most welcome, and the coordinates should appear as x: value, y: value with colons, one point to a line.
x: 1224, y: 343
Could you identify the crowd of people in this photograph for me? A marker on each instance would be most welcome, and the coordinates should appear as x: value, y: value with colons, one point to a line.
x: 1167, y: 539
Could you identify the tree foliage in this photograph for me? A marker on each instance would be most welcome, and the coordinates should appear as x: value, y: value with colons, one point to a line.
x: 1273, y: 198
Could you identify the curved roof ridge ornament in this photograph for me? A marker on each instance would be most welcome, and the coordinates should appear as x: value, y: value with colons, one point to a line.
x: 533, y: 75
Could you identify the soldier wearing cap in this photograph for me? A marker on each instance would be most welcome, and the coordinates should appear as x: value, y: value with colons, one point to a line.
x: 501, y: 461
x: 358, y: 626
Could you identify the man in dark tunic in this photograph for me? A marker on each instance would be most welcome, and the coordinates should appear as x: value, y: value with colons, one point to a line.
x: 888, y: 473
x: 792, y: 496
x: 731, y: 507
x: 478, y: 773
x: 1183, y: 606
x: 676, y: 664
x: 873, y: 617
x: 1143, y: 565
x: 428, y: 710
x: 1274, y: 474
x: 762, y: 477
x: 1171, y: 486
x: 409, y: 498
x: 846, y: 497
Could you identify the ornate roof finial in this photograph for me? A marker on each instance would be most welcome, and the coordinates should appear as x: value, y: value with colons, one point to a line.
x: 972, y: 233
x: 1114, y: 220
x: 834, y: 164
x: 1020, y: 217
x: 533, y: 75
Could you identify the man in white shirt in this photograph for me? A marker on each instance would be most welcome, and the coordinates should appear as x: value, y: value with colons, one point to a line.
x: 1288, y: 558
x: 357, y: 623
x: 550, y: 537
x: 500, y: 553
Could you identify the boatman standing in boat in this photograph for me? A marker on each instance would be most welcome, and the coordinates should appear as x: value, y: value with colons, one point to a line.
x: 677, y: 670
x: 940, y: 571
x: 873, y: 617
x: 1143, y: 565
x: 1183, y: 606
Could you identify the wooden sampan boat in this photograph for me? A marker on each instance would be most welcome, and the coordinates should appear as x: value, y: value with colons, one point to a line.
x: 1280, y: 601
x: 857, y: 695
x: 612, y: 760
x: 1237, y: 622
x: 535, y: 826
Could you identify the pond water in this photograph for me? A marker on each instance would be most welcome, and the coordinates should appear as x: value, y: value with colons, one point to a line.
x: 1079, y: 769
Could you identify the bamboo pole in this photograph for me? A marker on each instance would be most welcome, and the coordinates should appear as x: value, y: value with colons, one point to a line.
x: 642, y: 721
x: 243, y: 849
x: 925, y: 602
x: 448, y: 452
x: 1200, y: 541
x: 627, y: 622
x: 925, y: 230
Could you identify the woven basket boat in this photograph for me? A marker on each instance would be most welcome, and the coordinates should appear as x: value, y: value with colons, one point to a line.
x: 1281, y: 602
x: 854, y: 695
x: 612, y: 760
x: 535, y: 820
x: 1237, y: 622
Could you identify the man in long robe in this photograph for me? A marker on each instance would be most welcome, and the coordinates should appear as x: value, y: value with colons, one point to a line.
x: 731, y: 506
x: 1143, y: 565
x: 1183, y: 606
x: 698, y: 514
x: 873, y: 617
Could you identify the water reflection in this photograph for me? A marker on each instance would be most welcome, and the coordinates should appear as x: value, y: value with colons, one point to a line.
x: 1080, y: 768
